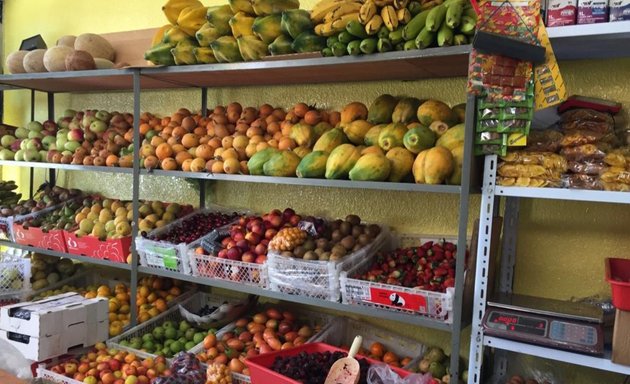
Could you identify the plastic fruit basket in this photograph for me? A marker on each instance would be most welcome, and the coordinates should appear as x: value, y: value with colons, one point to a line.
x: 115, y: 250
x: 315, y: 278
x: 52, y: 240
x: 260, y: 366
x: 342, y: 330
x: 618, y: 275
x: 393, y: 297
x: 169, y: 256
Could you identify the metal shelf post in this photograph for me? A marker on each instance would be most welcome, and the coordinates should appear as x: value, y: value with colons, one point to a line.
x: 136, y: 192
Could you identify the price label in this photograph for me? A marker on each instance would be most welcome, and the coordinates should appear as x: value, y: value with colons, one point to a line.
x: 396, y: 299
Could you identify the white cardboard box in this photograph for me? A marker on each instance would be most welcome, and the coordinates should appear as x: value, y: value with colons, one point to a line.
x: 42, y: 348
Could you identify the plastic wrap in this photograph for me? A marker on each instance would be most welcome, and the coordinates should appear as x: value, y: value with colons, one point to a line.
x: 581, y: 181
x: 383, y: 374
x: 522, y: 170
x: 186, y: 369
x: 547, y: 140
x: 224, y: 314
x: 616, y: 159
x: 529, y: 182
x: 490, y: 149
x: 580, y: 137
x: 504, y: 126
x: 587, y: 152
x: 616, y: 175
x: 490, y: 138
x: 617, y: 187
x: 587, y: 119
x: 587, y: 167
x: 546, y: 159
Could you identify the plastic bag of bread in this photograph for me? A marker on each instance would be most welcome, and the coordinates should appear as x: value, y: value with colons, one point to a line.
x: 546, y: 140
x: 546, y: 159
x: 580, y: 137
x: 581, y: 181
x: 587, y: 119
x: 586, y: 152
x: 615, y: 159
x: 522, y: 170
x: 535, y: 182
x: 587, y: 167
x: 616, y: 175
x: 617, y: 187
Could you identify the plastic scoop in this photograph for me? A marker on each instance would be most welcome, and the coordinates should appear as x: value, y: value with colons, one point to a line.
x: 346, y: 370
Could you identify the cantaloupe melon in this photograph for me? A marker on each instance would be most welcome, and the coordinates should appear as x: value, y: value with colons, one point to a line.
x: 14, y: 62
x: 103, y: 63
x: 67, y: 41
x: 79, y: 61
x: 55, y: 58
x: 34, y: 61
x: 95, y: 45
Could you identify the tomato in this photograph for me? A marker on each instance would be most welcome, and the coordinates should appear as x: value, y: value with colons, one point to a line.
x: 274, y: 343
x: 390, y: 357
x: 209, y: 341
x: 273, y: 313
x: 236, y: 365
x: 377, y: 350
x: 235, y: 344
x: 260, y: 318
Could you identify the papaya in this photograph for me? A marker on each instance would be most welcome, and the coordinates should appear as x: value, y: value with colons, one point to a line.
x: 341, y: 160
x: 437, y: 165
x: 418, y: 139
x: 418, y: 167
x: 453, y: 137
x: 356, y: 131
x: 191, y: 19
x: 302, y: 134
x: 372, y: 149
x: 308, y: 42
x: 406, y: 110
x: 381, y: 109
x: 207, y: 34
x: 371, y: 167
x: 302, y: 151
x: 353, y: 111
x: 204, y: 55
x: 313, y: 165
x: 174, y: 36
x: 244, y: 6
x: 183, y: 53
x: 460, y: 111
x: 392, y: 136
x: 160, y: 54
x: 241, y: 24
x: 458, y: 157
x: 330, y: 140
x: 282, y: 164
x: 319, y: 129
x: 438, y: 127
x: 401, y: 163
x: 267, y: 28
x: 432, y: 110
x: 281, y: 46
x: 219, y: 18
x: 226, y: 50
x: 269, y: 7
x: 371, y: 137
x: 258, y: 160
x: 295, y: 21
x: 251, y: 48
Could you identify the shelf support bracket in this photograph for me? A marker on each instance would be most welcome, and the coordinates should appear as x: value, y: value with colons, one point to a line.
x: 508, y: 253
x: 136, y: 191
x: 52, y: 173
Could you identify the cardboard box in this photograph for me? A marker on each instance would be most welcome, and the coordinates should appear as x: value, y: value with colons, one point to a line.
x: 619, y: 10
x: 561, y: 12
x: 42, y: 348
x: 621, y: 338
x: 592, y: 11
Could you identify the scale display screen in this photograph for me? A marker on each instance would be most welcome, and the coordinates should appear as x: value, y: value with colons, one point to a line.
x: 510, y: 322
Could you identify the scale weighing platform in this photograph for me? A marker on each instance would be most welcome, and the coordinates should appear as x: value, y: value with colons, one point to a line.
x: 577, y: 327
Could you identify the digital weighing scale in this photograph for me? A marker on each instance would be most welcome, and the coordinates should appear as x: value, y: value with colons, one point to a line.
x: 577, y: 327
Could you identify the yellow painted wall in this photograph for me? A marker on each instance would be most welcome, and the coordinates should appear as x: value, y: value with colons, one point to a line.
x: 561, y: 244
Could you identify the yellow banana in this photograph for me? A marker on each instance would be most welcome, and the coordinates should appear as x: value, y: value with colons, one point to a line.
x: 401, y: 4
x: 322, y: 8
x: 404, y: 16
x: 430, y: 4
x: 390, y: 19
x: 368, y: 11
x: 374, y: 24
x: 326, y: 29
x: 172, y: 8
x: 344, y: 20
x: 341, y: 10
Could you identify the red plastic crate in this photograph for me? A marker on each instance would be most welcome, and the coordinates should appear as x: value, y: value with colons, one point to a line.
x: 618, y: 275
x: 261, y: 373
x: 115, y: 250
x: 36, y: 237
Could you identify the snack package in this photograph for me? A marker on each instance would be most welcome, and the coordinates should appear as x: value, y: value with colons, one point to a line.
x: 561, y: 12
x: 616, y: 175
x: 581, y: 181
x: 521, y: 170
x: 535, y: 182
x: 546, y: 140
x: 546, y: 159
x: 617, y: 187
x: 383, y: 374
x: 587, y: 167
x: 587, y: 152
x: 580, y: 137
x: 587, y: 119
x: 592, y: 11
x: 616, y: 159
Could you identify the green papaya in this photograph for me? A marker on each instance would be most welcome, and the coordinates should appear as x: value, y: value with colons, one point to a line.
x: 296, y: 21
x: 269, y: 7
x: 281, y: 46
x: 207, y: 34
x: 452, y: 138
x: 282, y: 164
x: 183, y: 53
x: 226, y: 50
x: 308, y: 42
x: 258, y: 160
x: 418, y: 139
x: 204, y: 55
x: 406, y: 110
x: 371, y: 167
x: 330, y: 140
x: 219, y: 17
x: 392, y: 136
x: 313, y: 165
x: 302, y: 134
x: 381, y: 109
x: 371, y: 137
x: 252, y: 48
x: 341, y: 160
x: 160, y: 54
x: 458, y: 156
x: 267, y: 28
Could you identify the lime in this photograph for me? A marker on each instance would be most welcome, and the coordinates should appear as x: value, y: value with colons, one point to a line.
x: 170, y: 334
x: 176, y: 347
x: 189, y: 345
x: 184, y: 326
x: 198, y: 337
x: 189, y: 334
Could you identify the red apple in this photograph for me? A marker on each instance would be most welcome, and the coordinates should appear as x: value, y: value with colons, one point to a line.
x: 102, y: 366
x: 287, y: 214
x: 253, y: 237
x: 275, y: 212
x: 261, y: 249
x: 142, y: 371
x: 234, y: 253
x: 104, y: 372
x: 261, y: 259
x: 70, y: 368
x: 248, y: 257
x: 276, y: 221
x: 237, y: 236
x: 270, y: 233
x: 295, y: 219
x: 265, y: 242
x: 243, y: 245
x: 225, y: 241
x: 231, y: 244
x: 222, y: 254
x: 57, y: 369
x: 114, y: 364
x: 79, y: 376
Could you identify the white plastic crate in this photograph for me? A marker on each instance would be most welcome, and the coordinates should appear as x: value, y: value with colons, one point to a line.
x: 49, y: 376
x: 314, y: 278
x: 342, y: 330
x: 225, y: 269
x: 169, y: 256
x: 428, y: 303
x: 15, y: 276
x: 192, y: 303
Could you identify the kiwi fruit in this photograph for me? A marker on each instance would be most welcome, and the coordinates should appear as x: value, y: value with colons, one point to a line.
x: 335, y: 257
x: 299, y: 251
x: 345, y: 228
x: 311, y: 255
x: 322, y: 243
x: 364, y: 239
x: 325, y: 256
x: 356, y: 247
x: 357, y: 230
x: 347, y: 242
x: 353, y: 219
x: 336, y: 236
x: 309, y: 245
x: 338, y: 249
x: 287, y: 254
x: 319, y: 251
x: 336, y: 224
x: 373, y: 230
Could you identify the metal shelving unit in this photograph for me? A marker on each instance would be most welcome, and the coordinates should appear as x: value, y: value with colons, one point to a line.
x: 489, y: 210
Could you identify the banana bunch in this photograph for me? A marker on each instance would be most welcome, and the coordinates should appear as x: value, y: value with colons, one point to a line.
x: 7, y: 194
x: 331, y: 16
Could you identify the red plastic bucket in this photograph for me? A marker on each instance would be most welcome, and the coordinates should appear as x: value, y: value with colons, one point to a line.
x: 618, y: 275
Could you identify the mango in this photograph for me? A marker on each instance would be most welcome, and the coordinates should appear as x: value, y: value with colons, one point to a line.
x: 330, y: 140
x: 341, y: 160
x: 406, y: 110
x: 371, y: 167
x: 392, y: 136
x: 371, y: 137
x: 267, y: 28
x: 418, y: 139
x: 282, y: 164
x: 381, y: 109
x: 302, y: 134
x: 432, y: 110
x: 458, y: 156
x: 401, y: 163
x: 452, y: 138
x: 313, y: 165
x: 357, y: 130
x: 258, y: 160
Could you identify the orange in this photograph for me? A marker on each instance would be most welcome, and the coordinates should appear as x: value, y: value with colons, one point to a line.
x: 163, y: 151
x: 190, y: 140
x: 175, y: 291
x: 151, y: 162
x: 111, y: 161
x: 177, y: 148
x: 182, y: 156
x: 160, y: 304
x: 186, y: 164
x: 204, y: 151
x: 144, y: 128
x: 157, y: 140
x: 169, y: 164
x: 153, y: 312
x: 144, y: 316
x: 103, y: 290
x: 152, y: 297
x: 143, y: 291
x: 179, y: 132
x: 198, y: 165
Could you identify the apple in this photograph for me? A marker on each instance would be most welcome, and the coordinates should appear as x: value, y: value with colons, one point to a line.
x: 7, y: 154
x: 248, y: 257
x: 131, y: 379
x: 87, y: 120
x: 48, y: 141
x: 21, y: 133
x: 72, y: 146
x: 242, y: 221
x: 17, y: 145
x: 238, y: 236
x: 90, y: 380
x: 60, y: 142
x: 35, y: 126
x: 7, y: 140
x: 243, y: 245
x: 231, y: 244
x: 98, y: 126
x: 287, y: 213
x: 19, y: 155
x: 234, y: 253
x: 75, y: 135
x: 49, y: 125
x: 114, y: 364
x: 103, y: 116
x: 89, y: 136
x: 68, y: 113
x: 102, y: 366
x: 35, y: 135
x: 34, y: 144
x: 31, y: 155
x: 253, y: 237
x: 276, y: 221
x: 23, y: 143
x: 64, y: 122
x: 222, y: 254
x: 295, y: 220
x: 270, y: 233
x: 225, y: 242
x: 43, y: 154
x: 261, y: 249
x: 57, y: 369
x: 261, y: 259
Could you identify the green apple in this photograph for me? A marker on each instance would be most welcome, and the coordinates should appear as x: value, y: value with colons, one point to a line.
x: 98, y: 126
x: 66, y: 153
x: 31, y: 155
x: 61, y: 142
x: 35, y: 126
x: 47, y: 141
x: 19, y: 155
x: 24, y: 143
x: 43, y: 154
x: 72, y: 146
x: 103, y: 116
x: 7, y: 140
x: 7, y: 154
x: 21, y: 133
x: 68, y: 113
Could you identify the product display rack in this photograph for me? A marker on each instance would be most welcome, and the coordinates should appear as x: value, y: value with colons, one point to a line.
x: 489, y: 210
x: 412, y: 65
